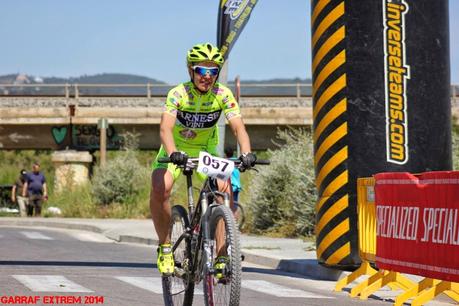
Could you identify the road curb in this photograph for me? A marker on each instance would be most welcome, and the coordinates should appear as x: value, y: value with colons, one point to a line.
x: 306, y: 267
x: 32, y: 223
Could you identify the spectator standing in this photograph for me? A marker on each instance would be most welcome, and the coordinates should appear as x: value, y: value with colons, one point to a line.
x: 37, y: 190
x: 18, y: 191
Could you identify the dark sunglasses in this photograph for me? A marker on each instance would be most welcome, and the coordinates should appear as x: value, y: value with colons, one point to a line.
x: 201, y: 70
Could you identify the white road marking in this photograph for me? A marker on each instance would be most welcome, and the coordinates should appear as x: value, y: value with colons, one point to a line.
x: 279, y: 291
x: 152, y: 284
x: 91, y: 237
x: 50, y: 283
x: 36, y: 235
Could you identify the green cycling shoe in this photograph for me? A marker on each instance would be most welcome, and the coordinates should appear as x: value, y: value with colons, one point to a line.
x: 165, y: 260
x: 220, y: 267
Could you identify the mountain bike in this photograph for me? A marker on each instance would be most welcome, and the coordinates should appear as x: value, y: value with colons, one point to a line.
x: 195, y: 237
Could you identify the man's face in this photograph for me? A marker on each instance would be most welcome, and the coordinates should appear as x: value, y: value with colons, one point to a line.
x: 36, y: 168
x: 203, y: 82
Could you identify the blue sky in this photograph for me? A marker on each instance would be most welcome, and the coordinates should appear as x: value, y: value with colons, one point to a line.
x: 150, y: 38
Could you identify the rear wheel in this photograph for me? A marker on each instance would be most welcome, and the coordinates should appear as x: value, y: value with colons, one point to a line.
x: 239, y: 215
x: 225, y: 290
x: 178, y: 289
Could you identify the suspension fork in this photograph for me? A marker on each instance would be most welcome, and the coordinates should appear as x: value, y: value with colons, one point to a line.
x: 189, y: 189
x: 207, y: 242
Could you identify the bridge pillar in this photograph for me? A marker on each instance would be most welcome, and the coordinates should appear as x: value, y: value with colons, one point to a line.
x: 71, y: 169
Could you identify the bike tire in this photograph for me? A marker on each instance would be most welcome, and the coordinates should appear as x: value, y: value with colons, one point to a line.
x: 218, y: 293
x: 177, y: 290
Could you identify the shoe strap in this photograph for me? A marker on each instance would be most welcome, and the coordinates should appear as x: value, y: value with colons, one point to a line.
x: 222, y: 259
x: 165, y: 248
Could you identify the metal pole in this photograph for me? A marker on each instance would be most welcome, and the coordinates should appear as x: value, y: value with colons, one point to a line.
x: 223, y: 78
x: 103, y: 146
x: 148, y: 90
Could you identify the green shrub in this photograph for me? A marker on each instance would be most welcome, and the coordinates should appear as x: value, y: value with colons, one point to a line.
x: 78, y: 203
x: 283, y: 194
x: 120, y: 181
x: 455, y: 134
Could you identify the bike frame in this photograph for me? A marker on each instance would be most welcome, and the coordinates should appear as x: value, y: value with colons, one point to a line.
x: 199, y: 217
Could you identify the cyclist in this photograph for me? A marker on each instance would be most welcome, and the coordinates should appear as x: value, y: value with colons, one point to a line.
x: 188, y: 126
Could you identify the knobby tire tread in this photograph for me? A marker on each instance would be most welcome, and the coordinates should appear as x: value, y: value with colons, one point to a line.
x: 233, y: 236
x: 179, y: 212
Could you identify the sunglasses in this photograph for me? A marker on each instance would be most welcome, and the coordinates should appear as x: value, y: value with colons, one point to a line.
x: 201, y: 70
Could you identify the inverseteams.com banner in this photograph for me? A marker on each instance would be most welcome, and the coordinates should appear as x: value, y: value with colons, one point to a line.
x: 417, y: 225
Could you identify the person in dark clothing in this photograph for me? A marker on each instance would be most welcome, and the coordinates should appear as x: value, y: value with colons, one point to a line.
x: 37, y: 191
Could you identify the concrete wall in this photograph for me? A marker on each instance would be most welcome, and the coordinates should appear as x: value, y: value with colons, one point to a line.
x: 45, y: 122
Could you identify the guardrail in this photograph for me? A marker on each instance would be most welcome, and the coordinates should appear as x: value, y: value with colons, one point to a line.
x: 145, y: 90
x: 149, y: 90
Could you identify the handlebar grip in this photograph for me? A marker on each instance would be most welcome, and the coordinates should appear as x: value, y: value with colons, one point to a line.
x: 262, y: 162
x: 164, y: 160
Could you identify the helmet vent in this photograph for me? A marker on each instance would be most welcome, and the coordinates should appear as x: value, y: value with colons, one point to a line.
x: 202, y: 53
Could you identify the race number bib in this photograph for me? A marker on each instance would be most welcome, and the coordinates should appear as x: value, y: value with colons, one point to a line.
x: 215, y: 167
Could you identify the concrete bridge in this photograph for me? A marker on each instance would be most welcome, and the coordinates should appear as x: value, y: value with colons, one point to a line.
x: 46, y: 122
x: 34, y: 122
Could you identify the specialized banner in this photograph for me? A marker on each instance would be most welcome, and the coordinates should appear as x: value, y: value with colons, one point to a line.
x: 417, y: 228
x: 381, y: 102
x: 232, y: 17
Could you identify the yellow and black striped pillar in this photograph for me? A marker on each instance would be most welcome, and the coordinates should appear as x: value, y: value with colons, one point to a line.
x: 380, y: 103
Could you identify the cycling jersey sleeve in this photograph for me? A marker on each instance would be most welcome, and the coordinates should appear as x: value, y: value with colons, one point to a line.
x: 230, y: 105
x: 173, y: 100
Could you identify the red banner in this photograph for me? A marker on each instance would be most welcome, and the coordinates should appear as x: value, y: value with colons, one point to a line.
x: 417, y: 225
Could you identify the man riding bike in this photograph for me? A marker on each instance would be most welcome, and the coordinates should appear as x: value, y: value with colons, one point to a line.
x: 188, y: 126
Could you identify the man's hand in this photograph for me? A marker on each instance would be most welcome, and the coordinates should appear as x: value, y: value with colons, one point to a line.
x: 13, y: 199
x: 178, y: 158
x: 248, y: 160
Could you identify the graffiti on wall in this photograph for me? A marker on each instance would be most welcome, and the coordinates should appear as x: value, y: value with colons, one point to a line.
x: 85, y: 137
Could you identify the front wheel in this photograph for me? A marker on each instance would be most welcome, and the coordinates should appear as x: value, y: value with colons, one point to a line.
x: 225, y: 289
x: 178, y: 289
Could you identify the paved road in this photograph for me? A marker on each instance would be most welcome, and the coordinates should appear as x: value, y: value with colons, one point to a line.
x: 38, y: 262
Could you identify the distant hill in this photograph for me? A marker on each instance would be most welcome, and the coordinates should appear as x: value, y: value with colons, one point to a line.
x: 104, y: 78
x: 119, y: 78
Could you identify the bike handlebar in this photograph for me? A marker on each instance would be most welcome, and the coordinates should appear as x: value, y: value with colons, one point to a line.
x: 236, y: 161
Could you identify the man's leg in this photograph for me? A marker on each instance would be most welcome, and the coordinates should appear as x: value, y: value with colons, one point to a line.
x: 37, y: 205
x: 22, y: 206
x: 161, y: 186
x: 30, y: 207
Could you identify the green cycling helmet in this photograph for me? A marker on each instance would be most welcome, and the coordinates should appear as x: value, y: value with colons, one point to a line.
x: 205, y: 52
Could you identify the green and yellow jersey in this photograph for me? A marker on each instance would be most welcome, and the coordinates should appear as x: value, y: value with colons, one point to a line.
x: 196, y: 116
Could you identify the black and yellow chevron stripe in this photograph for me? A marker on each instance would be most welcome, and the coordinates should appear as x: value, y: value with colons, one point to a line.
x: 333, y: 228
